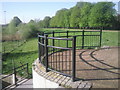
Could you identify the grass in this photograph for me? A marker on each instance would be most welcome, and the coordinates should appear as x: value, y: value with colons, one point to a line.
x: 25, y: 53
x: 8, y: 46
x: 28, y: 52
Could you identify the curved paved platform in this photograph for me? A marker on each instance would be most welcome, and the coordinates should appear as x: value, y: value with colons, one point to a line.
x: 62, y: 80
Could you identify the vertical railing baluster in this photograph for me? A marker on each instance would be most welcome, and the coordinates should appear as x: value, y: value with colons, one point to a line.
x: 83, y: 39
x: 46, y: 52
x: 39, y: 48
x: 74, y: 58
x: 14, y: 73
x: 53, y: 49
x: 27, y: 70
x: 100, y: 37
x: 42, y: 47
x: 67, y: 40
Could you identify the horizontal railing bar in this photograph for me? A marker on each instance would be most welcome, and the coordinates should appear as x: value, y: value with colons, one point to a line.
x: 67, y: 36
x: 92, y: 31
x: 77, y: 35
x: 55, y: 32
x: 75, y: 31
x: 91, y: 46
x: 7, y: 76
x: 59, y: 47
x: 16, y: 68
x: 21, y: 69
x: 91, y: 35
x: 59, y: 38
x: 21, y: 66
x: 41, y: 36
x: 41, y: 44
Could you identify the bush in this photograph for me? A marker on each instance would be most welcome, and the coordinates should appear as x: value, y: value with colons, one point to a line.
x: 28, y: 30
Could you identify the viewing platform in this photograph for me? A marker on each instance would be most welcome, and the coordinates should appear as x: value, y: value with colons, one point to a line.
x: 43, y: 79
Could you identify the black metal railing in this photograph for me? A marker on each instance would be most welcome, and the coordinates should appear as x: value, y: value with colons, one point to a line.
x: 23, y: 70
x: 57, y: 50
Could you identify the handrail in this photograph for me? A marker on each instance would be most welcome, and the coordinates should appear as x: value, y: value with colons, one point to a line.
x: 59, y: 38
x: 48, y: 47
x: 59, y: 47
x: 15, y: 70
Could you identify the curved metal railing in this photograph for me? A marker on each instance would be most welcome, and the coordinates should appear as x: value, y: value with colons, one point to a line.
x: 57, y: 50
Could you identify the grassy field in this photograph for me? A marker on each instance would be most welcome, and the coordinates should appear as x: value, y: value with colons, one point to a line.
x: 28, y: 52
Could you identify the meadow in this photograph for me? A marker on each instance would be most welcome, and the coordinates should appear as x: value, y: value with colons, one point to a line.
x: 28, y: 52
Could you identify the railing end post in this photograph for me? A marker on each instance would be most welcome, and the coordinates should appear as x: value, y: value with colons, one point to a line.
x: 74, y: 58
x: 46, y: 52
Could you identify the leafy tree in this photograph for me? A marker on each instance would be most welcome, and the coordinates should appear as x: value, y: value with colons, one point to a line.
x: 102, y: 14
x: 46, y: 22
x: 28, y: 30
x: 53, y: 22
x: 75, y: 17
x: 85, y: 11
x: 60, y: 19
x: 12, y: 27
x: 67, y: 14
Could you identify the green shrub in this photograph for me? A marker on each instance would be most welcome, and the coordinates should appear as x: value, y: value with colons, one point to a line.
x: 28, y: 30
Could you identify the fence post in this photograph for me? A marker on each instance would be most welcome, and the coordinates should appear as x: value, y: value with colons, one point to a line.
x: 74, y: 58
x: 42, y: 47
x: 39, y: 52
x: 4, y: 49
x: 46, y: 52
x: 27, y: 70
x: 67, y: 40
x: 14, y: 76
x: 83, y: 39
x: 53, y: 39
x: 100, y: 37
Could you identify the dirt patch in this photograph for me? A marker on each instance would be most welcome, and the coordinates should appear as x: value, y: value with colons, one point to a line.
x: 98, y: 66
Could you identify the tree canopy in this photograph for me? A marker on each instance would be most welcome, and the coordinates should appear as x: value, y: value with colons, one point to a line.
x: 86, y: 14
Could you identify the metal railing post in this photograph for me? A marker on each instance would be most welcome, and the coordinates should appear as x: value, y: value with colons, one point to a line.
x: 46, y: 52
x: 53, y: 39
x: 83, y: 39
x: 42, y: 47
x: 67, y: 40
x: 27, y: 70
x: 100, y: 37
x: 14, y: 76
x: 4, y: 49
x: 39, y: 48
x: 74, y: 58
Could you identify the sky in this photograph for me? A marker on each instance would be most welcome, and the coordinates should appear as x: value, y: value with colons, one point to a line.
x: 33, y: 9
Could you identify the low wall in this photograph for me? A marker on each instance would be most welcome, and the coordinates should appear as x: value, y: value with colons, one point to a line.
x: 43, y: 79
x: 41, y: 82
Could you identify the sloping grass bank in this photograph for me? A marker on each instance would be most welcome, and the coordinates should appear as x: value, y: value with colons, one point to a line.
x: 28, y: 52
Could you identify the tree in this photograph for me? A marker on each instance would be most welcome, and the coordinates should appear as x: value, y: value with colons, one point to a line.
x: 84, y: 15
x: 46, y: 22
x: 61, y: 19
x: 102, y: 14
x: 75, y: 17
x: 12, y: 27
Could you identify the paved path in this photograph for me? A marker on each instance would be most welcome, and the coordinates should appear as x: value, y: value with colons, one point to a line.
x: 25, y: 84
